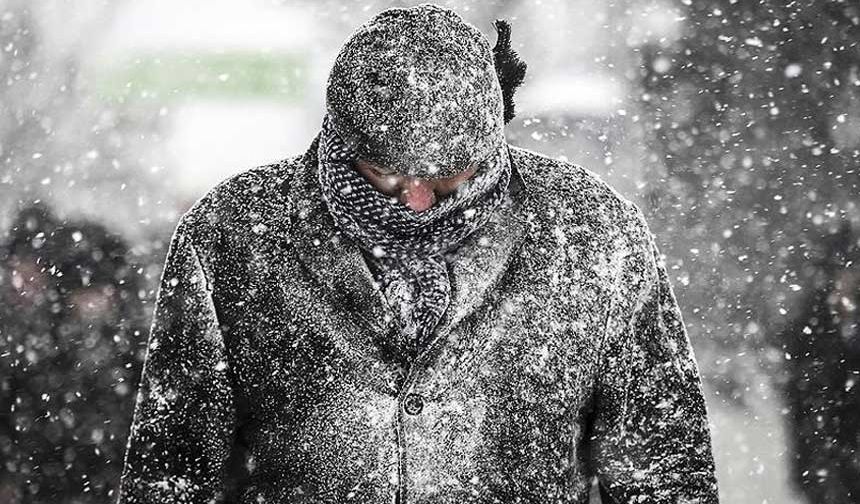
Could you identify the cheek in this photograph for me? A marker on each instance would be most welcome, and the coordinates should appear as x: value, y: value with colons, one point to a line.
x: 444, y: 187
x: 449, y: 185
x: 385, y: 184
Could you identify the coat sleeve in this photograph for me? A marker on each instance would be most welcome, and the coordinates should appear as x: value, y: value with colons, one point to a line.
x: 650, y: 438
x: 183, y: 424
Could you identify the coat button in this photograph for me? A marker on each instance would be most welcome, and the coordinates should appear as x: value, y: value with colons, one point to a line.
x: 413, y: 404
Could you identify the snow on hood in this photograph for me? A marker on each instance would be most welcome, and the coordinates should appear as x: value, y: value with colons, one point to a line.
x: 417, y: 90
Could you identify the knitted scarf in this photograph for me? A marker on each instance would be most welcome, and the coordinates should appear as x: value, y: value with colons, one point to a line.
x: 405, y: 247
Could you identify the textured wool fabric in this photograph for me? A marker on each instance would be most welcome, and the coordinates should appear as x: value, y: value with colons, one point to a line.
x: 563, y: 358
x: 418, y: 89
x: 407, y: 247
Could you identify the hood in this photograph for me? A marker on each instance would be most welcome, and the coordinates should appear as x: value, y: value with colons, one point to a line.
x: 416, y: 90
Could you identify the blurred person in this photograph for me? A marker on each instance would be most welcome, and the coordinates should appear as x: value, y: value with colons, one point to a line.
x: 69, y: 327
x: 821, y: 378
x: 415, y: 311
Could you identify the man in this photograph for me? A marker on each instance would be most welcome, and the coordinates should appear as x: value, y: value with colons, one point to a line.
x: 473, y: 322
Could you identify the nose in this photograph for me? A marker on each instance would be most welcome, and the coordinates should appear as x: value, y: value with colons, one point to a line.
x: 417, y: 194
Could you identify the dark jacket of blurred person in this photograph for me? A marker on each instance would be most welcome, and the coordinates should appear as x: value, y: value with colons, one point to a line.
x: 822, y: 378
x: 70, y: 316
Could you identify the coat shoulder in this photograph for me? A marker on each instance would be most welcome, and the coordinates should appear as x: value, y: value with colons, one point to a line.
x: 567, y: 194
x: 244, y: 202
x: 583, y: 229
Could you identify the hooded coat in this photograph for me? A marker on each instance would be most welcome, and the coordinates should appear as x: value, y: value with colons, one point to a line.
x: 562, y: 357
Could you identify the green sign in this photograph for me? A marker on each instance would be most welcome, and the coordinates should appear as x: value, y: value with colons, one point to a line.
x: 281, y: 76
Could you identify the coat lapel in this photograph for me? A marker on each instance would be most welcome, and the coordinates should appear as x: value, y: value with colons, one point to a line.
x: 336, y: 262
x: 482, y: 260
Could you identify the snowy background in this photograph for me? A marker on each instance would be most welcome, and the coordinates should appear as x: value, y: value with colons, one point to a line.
x: 734, y: 125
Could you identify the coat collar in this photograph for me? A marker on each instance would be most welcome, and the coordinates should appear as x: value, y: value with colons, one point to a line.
x: 337, y: 264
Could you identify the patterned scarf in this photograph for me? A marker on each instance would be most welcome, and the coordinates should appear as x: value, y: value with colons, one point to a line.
x: 404, y: 248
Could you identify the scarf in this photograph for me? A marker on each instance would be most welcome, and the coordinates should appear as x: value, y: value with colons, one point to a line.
x: 406, y: 249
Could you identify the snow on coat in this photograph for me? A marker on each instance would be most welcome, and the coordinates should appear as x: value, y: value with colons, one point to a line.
x: 562, y: 356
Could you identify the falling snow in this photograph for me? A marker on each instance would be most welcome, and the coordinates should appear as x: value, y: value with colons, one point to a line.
x: 668, y: 298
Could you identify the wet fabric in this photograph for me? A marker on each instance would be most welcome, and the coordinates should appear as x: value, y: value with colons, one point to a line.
x: 563, y: 357
x: 408, y: 247
x: 418, y: 89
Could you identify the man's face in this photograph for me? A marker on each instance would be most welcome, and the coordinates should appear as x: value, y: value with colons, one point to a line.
x: 29, y: 279
x: 417, y: 193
